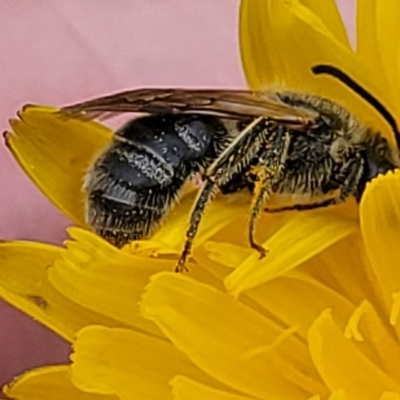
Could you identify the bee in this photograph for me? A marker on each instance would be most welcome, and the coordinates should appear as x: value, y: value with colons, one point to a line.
x: 270, y: 142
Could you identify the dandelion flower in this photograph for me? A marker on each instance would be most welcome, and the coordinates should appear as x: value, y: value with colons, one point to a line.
x: 316, y: 319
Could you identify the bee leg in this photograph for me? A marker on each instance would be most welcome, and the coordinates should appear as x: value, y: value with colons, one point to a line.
x: 214, y: 178
x: 267, y: 174
x: 206, y: 193
x: 262, y: 191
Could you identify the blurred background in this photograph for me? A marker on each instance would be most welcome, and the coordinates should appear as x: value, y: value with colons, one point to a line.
x: 55, y: 52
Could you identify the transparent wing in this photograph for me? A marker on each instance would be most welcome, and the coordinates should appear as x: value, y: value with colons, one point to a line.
x: 234, y: 104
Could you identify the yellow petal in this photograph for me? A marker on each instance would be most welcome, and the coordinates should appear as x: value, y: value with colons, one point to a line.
x: 102, y: 278
x: 387, y: 27
x: 24, y: 284
x: 342, y: 366
x: 227, y: 254
x: 233, y: 252
x: 128, y: 364
x: 297, y: 299
x: 280, y: 42
x: 330, y: 16
x: 377, y: 27
x: 55, y: 152
x: 338, y: 394
x: 373, y: 337
x: 302, y: 237
x: 367, y: 38
x: 219, y: 213
x: 90, y: 272
x: 345, y: 269
x: 380, y: 221
x: 48, y: 383
x: 228, y: 340
x: 390, y: 396
x: 272, y: 54
x: 184, y: 388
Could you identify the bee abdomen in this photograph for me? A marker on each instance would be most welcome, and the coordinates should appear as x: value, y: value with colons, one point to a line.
x: 135, y: 182
x: 121, y: 214
x: 128, y: 193
x: 120, y: 222
x: 130, y: 167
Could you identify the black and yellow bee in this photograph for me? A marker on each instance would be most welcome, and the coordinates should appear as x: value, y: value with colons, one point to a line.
x: 281, y: 142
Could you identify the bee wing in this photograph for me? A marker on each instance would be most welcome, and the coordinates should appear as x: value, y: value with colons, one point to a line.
x: 235, y: 104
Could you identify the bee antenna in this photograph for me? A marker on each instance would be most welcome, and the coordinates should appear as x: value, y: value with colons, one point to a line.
x: 368, y: 97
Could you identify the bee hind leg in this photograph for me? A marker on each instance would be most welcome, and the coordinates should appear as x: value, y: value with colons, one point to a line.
x: 214, y: 178
x: 267, y: 174
x: 206, y: 193
x: 262, y: 192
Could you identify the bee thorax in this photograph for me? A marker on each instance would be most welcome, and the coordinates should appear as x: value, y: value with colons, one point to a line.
x: 340, y: 149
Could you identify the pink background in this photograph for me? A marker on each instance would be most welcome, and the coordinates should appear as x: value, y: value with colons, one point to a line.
x: 58, y: 51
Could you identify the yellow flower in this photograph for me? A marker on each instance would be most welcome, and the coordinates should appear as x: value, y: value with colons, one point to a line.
x: 284, y: 39
x: 316, y: 319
